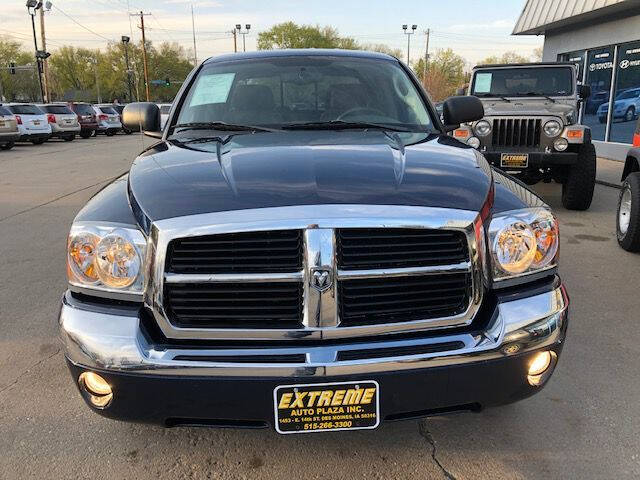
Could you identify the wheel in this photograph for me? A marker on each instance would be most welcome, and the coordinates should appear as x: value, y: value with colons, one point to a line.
x: 577, y: 190
x: 38, y: 141
x: 86, y: 134
x: 628, y: 214
x: 7, y: 146
x: 110, y: 133
x: 630, y: 114
x: 127, y: 131
x: 69, y: 138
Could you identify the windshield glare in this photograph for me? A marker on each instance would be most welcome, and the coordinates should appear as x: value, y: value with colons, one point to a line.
x: 281, y: 91
x: 523, y: 81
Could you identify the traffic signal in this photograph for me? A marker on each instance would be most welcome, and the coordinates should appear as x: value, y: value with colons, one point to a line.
x: 12, y: 68
x: 167, y: 82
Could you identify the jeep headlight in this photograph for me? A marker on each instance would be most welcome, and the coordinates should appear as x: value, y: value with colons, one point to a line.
x: 552, y: 128
x: 106, y: 257
x: 482, y: 128
x: 523, y: 242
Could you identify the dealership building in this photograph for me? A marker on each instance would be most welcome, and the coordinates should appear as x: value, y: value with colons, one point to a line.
x: 603, y: 38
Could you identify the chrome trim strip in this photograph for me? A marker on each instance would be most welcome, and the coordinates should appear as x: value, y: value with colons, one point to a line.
x: 308, y: 218
x: 320, y: 306
x: 93, y: 339
x: 404, y: 272
x: 232, y: 277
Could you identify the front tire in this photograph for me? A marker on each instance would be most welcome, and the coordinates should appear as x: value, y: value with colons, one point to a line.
x: 38, y: 141
x: 86, y: 134
x: 628, y: 214
x: 69, y: 138
x: 577, y: 190
x: 7, y: 146
x: 630, y: 114
x: 127, y: 131
x: 110, y: 133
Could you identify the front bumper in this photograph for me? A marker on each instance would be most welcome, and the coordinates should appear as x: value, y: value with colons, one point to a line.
x: 536, y: 159
x: 172, y: 385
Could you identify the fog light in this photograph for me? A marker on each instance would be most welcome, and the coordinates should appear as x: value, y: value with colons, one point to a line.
x: 540, y: 363
x: 560, y: 144
x: 473, y: 142
x: 96, y: 389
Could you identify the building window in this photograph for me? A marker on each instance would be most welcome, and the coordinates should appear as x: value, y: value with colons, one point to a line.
x: 576, y: 57
x: 599, y: 70
x: 626, y: 101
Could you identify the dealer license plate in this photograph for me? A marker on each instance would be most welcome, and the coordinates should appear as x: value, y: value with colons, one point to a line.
x: 514, y: 160
x: 321, y: 407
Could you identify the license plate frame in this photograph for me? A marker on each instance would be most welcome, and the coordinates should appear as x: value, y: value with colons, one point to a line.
x: 357, y: 414
x: 514, y: 160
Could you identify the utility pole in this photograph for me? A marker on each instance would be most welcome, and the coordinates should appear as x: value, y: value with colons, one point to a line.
x: 193, y: 29
x: 408, y: 34
x: 235, y: 39
x: 125, y: 43
x: 32, y: 6
x: 144, y: 52
x: 426, y: 59
x: 45, y: 66
x: 95, y: 64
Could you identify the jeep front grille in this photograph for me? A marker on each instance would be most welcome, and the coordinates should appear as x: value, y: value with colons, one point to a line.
x: 516, y: 132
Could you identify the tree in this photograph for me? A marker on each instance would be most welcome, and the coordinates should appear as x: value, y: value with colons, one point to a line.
x: 537, y: 54
x: 23, y: 85
x: 506, y: 57
x: 444, y: 73
x: 291, y: 35
x: 382, y: 48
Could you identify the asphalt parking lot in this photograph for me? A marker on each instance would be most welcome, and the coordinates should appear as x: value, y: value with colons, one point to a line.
x: 584, y: 424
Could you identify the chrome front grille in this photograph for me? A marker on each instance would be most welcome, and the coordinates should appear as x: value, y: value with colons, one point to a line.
x: 516, y: 132
x: 334, y: 271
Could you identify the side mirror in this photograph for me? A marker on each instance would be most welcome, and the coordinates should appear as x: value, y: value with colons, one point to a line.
x: 457, y: 110
x: 143, y: 116
x: 460, y: 91
x: 584, y: 92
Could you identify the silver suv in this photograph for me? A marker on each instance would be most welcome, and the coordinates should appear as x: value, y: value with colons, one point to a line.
x: 530, y: 126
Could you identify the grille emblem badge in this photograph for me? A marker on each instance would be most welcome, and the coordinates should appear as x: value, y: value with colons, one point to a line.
x: 321, y: 279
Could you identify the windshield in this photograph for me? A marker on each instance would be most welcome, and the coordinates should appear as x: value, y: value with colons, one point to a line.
x: 84, y: 109
x: 26, y: 109
x: 108, y: 110
x: 523, y: 81
x: 628, y: 94
x: 280, y: 91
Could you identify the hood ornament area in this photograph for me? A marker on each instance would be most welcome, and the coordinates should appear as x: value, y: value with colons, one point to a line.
x: 321, y: 279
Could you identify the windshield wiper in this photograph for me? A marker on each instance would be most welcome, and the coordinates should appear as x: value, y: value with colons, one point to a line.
x: 342, y: 125
x: 538, y: 94
x: 222, y: 139
x: 224, y: 126
x: 484, y: 95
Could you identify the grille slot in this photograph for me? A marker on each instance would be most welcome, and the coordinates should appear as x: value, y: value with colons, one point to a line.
x: 362, y: 354
x: 372, y: 248
x: 235, y: 305
x: 516, y: 132
x: 247, y: 252
x: 402, y: 299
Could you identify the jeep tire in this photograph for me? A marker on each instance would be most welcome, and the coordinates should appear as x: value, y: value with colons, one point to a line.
x: 628, y: 214
x: 577, y: 190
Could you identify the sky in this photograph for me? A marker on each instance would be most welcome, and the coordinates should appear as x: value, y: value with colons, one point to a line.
x: 473, y: 29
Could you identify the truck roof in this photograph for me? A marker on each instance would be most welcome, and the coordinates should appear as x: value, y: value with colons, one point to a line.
x: 532, y: 64
x: 303, y: 52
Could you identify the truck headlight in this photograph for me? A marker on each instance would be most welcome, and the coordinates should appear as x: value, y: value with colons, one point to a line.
x: 552, y: 128
x: 523, y: 242
x: 482, y: 128
x: 106, y: 257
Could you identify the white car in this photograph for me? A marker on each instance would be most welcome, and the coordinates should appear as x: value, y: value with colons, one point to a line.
x: 165, y: 108
x: 63, y: 121
x: 626, y: 106
x: 32, y: 122
x: 108, y: 120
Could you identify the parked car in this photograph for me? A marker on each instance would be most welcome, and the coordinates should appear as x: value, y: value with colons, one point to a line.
x: 108, y: 120
x: 597, y: 98
x: 86, y: 117
x: 628, y: 214
x: 313, y: 270
x: 9, y: 133
x: 118, y: 107
x: 626, y: 106
x: 165, y: 108
x: 63, y: 121
x: 32, y: 122
x: 530, y: 129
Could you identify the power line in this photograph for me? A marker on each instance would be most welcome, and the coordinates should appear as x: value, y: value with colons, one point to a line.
x: 81, y: 25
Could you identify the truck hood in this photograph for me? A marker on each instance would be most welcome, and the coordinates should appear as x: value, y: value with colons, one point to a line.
x: 306, y: 168
x: 526, y: 107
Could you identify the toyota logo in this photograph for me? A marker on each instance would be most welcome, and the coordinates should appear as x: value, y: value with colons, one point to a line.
x: 624, y: 64
x: 321, y: 279
x: 592, y: 67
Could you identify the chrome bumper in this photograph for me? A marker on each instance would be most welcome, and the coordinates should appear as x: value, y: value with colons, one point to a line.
x: 107, y: 341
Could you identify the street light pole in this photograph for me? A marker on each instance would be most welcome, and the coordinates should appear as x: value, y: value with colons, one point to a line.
x: 408, y: 34
x: 32, y: 6
x: 95, y: 63
x: 125, y: 42
x: 244, y: 34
